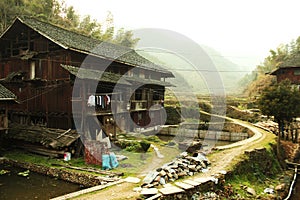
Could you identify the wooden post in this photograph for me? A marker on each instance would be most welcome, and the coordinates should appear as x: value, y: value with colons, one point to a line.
x: 83, y: 108
x: 47, y: 109
x: 6, y: 117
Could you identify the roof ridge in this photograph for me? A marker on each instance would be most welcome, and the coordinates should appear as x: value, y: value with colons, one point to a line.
x: 70, y: 30
x: 81, y: 43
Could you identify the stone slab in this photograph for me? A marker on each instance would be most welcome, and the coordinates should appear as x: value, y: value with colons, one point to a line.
x: 184, y: 186
x: 170, y: 190
x: 150, y: 177
x: 149, y: 191
x: 202, y: 180
x: 132, y: 180
x: 154, y: 197
x: 190, y: 182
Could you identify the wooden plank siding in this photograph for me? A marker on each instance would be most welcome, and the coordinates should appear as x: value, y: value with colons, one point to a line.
x: 31, y: 67
x: 291, y: 73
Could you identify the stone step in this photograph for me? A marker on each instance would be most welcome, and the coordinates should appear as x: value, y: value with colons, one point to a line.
x: 154, y: 197
x: 191, y: 182
x: 149, y: 191
x: 170, y: 190
x: 184, y: 186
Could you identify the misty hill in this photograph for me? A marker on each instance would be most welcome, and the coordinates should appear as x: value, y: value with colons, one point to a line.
x: 192, y: 78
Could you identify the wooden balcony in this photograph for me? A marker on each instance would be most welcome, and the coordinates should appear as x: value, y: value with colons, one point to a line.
x: 114, y: 106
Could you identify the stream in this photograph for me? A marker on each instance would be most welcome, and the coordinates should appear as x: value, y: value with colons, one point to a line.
x: 31, y: 186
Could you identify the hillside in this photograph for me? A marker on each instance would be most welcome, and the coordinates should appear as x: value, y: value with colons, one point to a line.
x: 189, y: 76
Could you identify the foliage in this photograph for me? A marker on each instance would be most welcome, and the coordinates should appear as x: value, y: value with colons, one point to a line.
x: 57, y: 12
x: 173, y: 116
x: 284, y: 55
x: 262, y: 82
x: 264, y: 168
x: 134, y: 145
x: 280, y: 101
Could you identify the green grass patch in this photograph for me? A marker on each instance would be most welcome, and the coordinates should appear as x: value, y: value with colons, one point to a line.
x: 259, y: 172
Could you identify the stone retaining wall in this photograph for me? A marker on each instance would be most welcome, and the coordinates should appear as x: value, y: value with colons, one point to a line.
x: 84, y: 179
x: 230, y: 131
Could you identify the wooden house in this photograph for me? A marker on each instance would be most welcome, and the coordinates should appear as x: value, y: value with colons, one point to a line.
x: 291, y: 73
x: 6, y: 98
x: 54, y: 72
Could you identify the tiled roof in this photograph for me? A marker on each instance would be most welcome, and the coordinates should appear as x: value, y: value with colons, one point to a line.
x: 97, y: 75
x: 109, y: 77
x: 80, y: 43
x: 6, y: 94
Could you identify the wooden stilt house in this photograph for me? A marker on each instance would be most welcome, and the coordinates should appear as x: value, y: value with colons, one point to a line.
x: 54, y: 72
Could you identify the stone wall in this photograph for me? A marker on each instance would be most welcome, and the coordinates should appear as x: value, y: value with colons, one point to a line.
x: 84, y: 179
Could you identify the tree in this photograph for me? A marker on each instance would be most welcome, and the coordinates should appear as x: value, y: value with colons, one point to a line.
x: 56, y: 12
x: 282, y: 102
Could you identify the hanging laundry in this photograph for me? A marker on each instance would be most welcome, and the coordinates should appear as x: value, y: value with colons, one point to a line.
x: 91, y: 101
x: 108, y: 99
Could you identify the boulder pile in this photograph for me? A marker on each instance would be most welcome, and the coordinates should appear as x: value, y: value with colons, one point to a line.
x: 182, y: 166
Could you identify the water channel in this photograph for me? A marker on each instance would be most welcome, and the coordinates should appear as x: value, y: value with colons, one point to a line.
x: 33, y: 186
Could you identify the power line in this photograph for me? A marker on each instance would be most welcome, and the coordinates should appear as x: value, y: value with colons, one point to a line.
x: 167, y: 68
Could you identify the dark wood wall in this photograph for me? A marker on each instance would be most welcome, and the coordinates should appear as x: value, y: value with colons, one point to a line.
x: 293, y: 74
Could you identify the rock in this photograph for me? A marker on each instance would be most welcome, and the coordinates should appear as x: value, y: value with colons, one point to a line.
x: 280, y: 187
x: 251, y: 191
x: 162, y: 173
x: 181, y: 174
x: 150, y: 177
x: 184, y: 154
x: 132, y: 180
x: 175, y: 176
x: 157, y: 179
x: 269, y: 191
x: 192, y: 168
x: 184, y: 165
x: 162, y: 181
x: 170, y: 175
x: 203, y: 164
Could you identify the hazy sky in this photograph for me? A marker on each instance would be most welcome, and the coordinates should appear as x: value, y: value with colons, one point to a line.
x: 241, y: 30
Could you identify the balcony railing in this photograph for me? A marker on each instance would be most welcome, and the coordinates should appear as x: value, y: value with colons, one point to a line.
x: 114, y: 106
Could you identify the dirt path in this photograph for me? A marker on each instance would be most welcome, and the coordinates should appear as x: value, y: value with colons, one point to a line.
x: 221, y: 160
x: 226, y: 157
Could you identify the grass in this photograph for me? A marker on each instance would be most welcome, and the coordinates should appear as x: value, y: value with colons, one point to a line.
x: 136, y: 164
x: 254, y: 174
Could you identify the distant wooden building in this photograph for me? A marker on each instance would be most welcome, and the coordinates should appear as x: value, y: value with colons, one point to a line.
x: 53, y: 73
x: 6, y: 98
x: 291, y: 73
